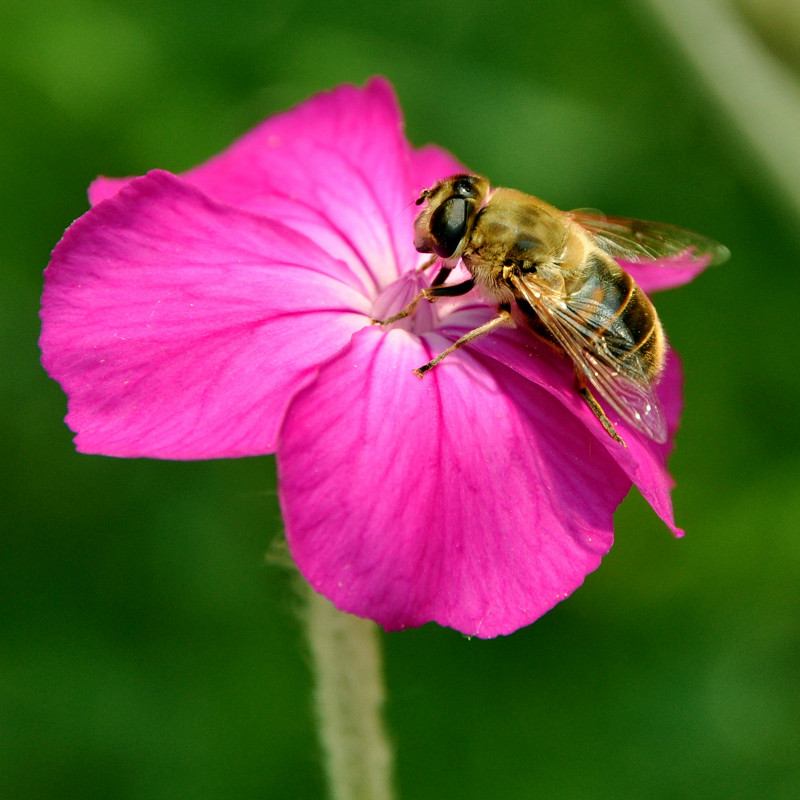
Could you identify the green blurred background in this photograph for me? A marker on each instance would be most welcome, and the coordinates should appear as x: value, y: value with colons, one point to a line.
x: 149, y: 650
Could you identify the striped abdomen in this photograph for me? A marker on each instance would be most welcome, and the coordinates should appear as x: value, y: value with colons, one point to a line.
x: 619, y: 318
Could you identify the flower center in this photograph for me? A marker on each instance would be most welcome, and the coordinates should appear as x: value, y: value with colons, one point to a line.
x: 396, y: 297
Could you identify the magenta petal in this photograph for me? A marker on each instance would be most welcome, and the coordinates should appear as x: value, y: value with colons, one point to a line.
x: 430, y: 164
x: 646, y: 460
x: 643, y: 460
x: 180, y: 328
x: 102, y: 188
x: 666, y: 273
x: 336, y: 168
x: 469, y: 498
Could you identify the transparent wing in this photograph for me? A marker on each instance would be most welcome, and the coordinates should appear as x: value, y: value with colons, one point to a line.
x: 575, y: 323
x: 638, y: 241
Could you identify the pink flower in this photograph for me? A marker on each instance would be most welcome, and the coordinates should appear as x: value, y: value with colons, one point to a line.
x: 227, y: 312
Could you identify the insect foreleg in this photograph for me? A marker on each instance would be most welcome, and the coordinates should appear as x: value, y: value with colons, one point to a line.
x: 430, y: 294
x: 503, y: 318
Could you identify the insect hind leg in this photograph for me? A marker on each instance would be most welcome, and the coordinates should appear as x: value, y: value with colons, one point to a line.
x: 584, y: 392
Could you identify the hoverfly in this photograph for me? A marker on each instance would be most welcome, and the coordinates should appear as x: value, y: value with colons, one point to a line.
x: 559, y: 269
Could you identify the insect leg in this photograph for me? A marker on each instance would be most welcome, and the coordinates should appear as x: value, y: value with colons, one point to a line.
x: 428, y: 264
x: 583, y: 390
x: 503, y: 318
x: 442, y: 275
x: 431, y: 293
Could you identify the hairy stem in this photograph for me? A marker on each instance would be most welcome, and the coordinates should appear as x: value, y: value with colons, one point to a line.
x: 348, y: 670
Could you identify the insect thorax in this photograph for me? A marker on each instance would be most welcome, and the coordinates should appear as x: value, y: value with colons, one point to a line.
x: 514, y: 231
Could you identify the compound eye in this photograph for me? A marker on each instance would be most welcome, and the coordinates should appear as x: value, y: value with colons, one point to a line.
x: 464, y: 186
x: 448, y: 226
